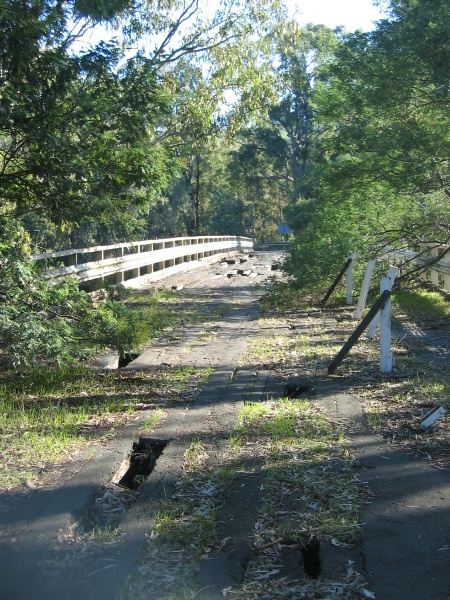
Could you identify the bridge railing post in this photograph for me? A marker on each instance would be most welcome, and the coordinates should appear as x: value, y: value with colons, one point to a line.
x: 359, y: 330
x: 333, y: 286
x: 385, y: 327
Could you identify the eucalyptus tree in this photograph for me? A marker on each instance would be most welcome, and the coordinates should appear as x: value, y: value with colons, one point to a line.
x: 74, y: 128
x: 216, y: 93
x: 272, y: 158
x: 302, y: 53
x: 382, y: 165
x: 397, y: 112
x: 92, y: 134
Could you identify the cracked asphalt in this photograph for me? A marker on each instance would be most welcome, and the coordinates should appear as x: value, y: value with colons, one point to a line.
x: 404, y: 552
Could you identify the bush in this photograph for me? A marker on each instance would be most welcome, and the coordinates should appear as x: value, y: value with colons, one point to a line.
x: 44, y: 322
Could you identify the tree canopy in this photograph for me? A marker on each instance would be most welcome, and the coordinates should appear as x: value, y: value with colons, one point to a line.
x: 187, y: 119
x: 381, y: 165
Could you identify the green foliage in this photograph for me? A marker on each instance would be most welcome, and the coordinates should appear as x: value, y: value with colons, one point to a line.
x: 422, y: 303
x: 49, y: 411
x: 345, y: 137
x: 46, y: 322
x: 102, y: 10
x: 24, y: 296
x: 77, y: 131
x: 114, y: 324
x: 30, y: 339
x: 317, y: 254
x: 379, y: 174
x: 60, y: 324
x: 89, y: 139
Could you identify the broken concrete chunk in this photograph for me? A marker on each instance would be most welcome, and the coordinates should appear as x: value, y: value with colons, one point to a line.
x: 432, y: 416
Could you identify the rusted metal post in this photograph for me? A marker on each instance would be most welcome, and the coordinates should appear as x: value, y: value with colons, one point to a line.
x: 338, y: 279
x: 381, y: 301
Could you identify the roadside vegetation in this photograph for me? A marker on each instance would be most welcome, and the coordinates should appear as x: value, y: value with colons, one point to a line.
x: 341, y: 135
x: 311, y: 489
x: 240, y: 120
x: 396, y: 403
x: 49, y: 416
x: 49, y: 413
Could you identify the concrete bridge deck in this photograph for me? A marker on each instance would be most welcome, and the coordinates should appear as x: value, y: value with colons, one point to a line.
x: 406, y: 539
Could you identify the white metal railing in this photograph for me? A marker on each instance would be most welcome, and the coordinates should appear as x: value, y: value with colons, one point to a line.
x: 149, y: 259
x: 437, y: 273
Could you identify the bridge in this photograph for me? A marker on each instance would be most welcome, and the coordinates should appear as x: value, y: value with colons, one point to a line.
x: 145, y: 260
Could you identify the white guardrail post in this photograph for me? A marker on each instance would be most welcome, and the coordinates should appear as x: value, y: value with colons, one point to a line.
x: 386, y: 328
x: 364, y: 289
x: 373, y: 327
x: 349, y: 282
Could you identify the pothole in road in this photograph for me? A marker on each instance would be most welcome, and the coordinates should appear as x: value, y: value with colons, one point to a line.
x: 140, y: 463
x: 297, y: 387
x: 126, y: 359
x: 311, y: 558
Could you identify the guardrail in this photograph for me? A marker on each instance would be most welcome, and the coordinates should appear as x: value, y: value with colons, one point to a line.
x: 437, y: 273
x: 148, y: 260
x: 272, y: 246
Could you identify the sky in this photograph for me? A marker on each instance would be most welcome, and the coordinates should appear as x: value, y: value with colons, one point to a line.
x: 353, y: 14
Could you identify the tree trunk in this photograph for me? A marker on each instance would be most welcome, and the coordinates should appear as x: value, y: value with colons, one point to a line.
x: 196, y: 194
x: 192, y: 177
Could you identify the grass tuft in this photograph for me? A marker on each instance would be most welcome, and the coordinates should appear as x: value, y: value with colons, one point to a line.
x: 422, y: 304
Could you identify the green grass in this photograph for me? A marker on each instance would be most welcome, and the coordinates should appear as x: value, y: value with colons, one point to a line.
x: 433, y: 390
x: 310, y: 486
x: 285, y: 419
x: 282, y: 297
x: 47, y: 382
x: 304, y: 495
x: 182, y: 530
x: 166, y: 309
x: 373, y: 414
x: 154, y: 420
x: 48, y: 414
x: 157, y: 312
x: 104, y: 535
x: 298, y: 443
x: 291, y: 348
x: 422, y: 304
